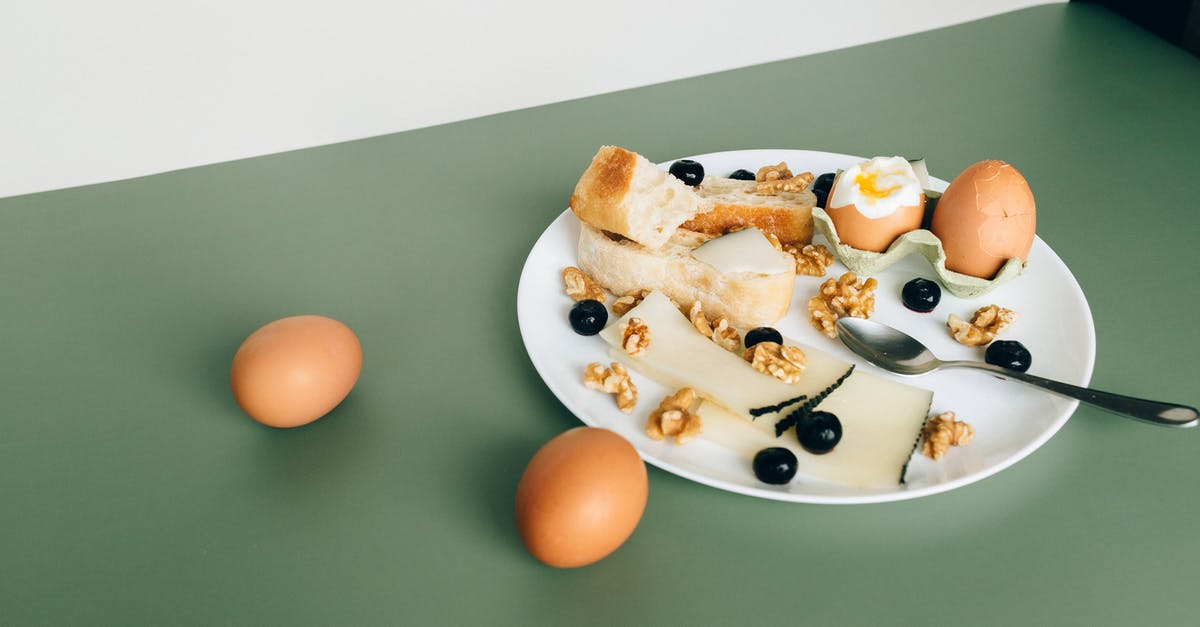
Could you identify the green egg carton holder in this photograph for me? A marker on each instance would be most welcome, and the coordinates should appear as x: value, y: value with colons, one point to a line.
x: 921, y: 242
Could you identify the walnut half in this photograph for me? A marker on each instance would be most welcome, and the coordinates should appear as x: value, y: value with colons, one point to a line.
x: 943, y: 431
x: 635, y: 337
x: 624, y: 303
x: 773, y: 173
x: 810, y: 260
x: 794, y: 184
x: 580, y: 286
x: 785, y: 363
x: 612, y: 380
x: 674, y: 418
x: 843, y: 296
x: 984, y: 326
x: 718, y: 330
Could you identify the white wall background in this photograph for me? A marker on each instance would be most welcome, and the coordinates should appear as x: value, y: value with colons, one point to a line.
x: 99, y: 91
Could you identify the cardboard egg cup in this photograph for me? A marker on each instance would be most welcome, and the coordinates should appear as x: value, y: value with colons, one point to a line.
x: 921, y: 242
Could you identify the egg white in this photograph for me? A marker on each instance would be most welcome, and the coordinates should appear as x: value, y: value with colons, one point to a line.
x: 878, y: 187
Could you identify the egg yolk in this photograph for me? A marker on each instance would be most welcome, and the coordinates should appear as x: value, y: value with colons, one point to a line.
x: 867, y: 184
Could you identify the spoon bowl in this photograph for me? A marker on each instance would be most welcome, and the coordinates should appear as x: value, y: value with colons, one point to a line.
x: 886, y: 347
x: 900, y: 353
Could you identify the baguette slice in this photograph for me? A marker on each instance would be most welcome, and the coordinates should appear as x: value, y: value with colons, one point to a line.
x: 732, y: 204
x: 747, y: 298
x: 622, y: 192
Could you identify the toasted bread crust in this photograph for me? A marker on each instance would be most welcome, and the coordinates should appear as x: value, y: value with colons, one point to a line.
x: 622, y: 192
x: 600, y: 192
x: 730, y: 204
x: 790, y: 225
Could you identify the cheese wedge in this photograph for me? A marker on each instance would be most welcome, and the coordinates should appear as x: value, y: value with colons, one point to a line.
x: 881, y: 418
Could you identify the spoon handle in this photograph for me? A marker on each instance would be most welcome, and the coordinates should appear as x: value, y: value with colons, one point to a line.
x: 1167, y: 414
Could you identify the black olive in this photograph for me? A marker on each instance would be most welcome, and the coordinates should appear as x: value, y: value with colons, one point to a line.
x: 762, y: 334
x: 819, y: 432
x: 921, y: 295
x: 775, y: 465
x: 742, y: 175
x: 588, y: 317
x: 688, y: 171
x: 1009, y: 354
x: 822, y: 186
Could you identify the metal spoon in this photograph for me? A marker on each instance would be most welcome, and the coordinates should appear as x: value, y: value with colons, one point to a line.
x: 897, y: 352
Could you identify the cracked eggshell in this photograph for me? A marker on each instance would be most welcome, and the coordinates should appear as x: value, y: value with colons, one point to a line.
x: 985, y: 217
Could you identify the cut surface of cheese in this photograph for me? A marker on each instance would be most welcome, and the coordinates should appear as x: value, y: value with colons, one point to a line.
x: 747, y: 250
x: 881, y: 418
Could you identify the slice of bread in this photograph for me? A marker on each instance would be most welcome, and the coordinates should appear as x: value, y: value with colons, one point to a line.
x: 748, y: 299
x: 622, y: 192
x: 731, y: 204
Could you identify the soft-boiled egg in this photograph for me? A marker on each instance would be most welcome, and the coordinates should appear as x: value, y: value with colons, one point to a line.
x: 874, y: 202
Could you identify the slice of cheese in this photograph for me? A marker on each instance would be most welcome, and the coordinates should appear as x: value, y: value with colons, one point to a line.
x: 881, y: 423
x: 746, y: 250
x: 678, y: 356
x: 881, y: 418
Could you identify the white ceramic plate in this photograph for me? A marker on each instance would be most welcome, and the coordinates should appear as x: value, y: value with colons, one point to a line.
x: 1010, y: 419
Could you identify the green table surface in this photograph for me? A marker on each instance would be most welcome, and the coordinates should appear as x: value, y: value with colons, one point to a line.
x: 134, y: 491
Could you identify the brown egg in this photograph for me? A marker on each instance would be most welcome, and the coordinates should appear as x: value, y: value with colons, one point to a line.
x: 874, y: 234
x: 581, y: 497
x: 294, y: 370
x: 875, y: 201
x: 986, y: 216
